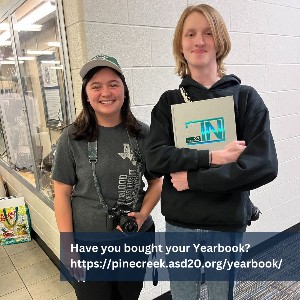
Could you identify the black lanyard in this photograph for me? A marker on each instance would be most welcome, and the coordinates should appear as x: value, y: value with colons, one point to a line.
x: 93, y: 157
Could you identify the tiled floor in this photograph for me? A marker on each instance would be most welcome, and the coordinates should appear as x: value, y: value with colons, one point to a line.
x: 27, y: 273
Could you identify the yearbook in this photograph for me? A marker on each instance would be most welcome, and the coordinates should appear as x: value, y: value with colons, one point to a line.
x: 204, y: 125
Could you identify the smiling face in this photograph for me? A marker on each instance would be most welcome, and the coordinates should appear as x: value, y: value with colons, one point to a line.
x: 105, y: 92
x: 198, y: 46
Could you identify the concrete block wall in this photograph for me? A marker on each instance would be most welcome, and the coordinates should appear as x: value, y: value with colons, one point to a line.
x: 266, y: 44
x: 265, y: 54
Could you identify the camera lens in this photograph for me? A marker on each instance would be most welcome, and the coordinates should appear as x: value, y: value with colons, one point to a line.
x: 130, y: 225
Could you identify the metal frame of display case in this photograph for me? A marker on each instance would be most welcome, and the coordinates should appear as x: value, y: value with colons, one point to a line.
x: 69, y: 112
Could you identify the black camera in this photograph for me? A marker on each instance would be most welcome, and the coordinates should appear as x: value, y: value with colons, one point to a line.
x: 119, y: 215
x: 255, y: 213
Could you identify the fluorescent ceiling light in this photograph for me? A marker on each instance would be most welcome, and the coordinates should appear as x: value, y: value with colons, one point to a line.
x: 28, y: 27
x: 9, y: 62
x: 37, y: 14
x: 5, y: 43
x: 53, y: 44
x: 54, y: 62
x: 39, y: 52
x: 57, y: 67
x: 22, y: 58
x: 26, y: 58
x: 4, y: 36
x: 4, y: 26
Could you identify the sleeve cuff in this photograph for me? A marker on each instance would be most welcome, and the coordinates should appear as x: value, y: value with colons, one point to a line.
x: 203, y: 163
x: 203, y: 159
x: 193, y: 180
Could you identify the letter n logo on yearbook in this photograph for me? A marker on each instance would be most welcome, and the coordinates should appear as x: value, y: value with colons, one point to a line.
x: 205, y: 131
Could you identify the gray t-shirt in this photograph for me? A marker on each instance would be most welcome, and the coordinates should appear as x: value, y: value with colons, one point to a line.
x: 116, y: 171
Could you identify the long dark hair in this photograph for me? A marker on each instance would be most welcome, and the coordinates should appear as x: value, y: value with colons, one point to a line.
x: 86, y: 123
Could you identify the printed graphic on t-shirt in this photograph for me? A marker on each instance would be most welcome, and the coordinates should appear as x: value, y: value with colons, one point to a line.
x: 128, y: 154
x: 127, y: 186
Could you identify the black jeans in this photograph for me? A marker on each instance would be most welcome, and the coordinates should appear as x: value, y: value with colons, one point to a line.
x: 109, y: 290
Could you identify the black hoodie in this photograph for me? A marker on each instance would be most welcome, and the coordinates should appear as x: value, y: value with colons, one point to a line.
x: 218, y: 197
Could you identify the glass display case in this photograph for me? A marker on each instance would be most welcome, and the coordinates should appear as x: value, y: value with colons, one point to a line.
x: 34, y: 98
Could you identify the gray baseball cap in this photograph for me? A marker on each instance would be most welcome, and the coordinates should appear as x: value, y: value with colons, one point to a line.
x: 100, y: 61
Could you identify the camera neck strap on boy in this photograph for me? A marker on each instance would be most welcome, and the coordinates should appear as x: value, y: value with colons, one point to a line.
x: 93, y: 157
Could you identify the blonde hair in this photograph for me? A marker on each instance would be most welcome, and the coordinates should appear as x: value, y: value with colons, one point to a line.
x: 219, y: 32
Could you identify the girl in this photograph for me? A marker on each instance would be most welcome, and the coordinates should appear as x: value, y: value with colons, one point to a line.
x: 112, y: 180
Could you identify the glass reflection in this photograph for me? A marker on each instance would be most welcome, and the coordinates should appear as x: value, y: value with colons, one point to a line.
x: 42, y: 104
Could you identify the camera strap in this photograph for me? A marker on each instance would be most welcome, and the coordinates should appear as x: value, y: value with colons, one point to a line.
x: 93, y: 157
